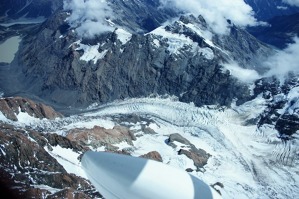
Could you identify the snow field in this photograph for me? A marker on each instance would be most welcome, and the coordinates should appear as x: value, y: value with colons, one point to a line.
x: 250, y: 162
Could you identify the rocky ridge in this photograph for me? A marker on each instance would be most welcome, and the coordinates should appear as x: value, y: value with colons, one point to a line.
x: 199, y: 156
x: 31, y: 162
x: 31, y: 9
x: 12, y: 107
x: 176, y: 59
x: 282, y: 107
x: 280, y: 31
x: 34, y: 172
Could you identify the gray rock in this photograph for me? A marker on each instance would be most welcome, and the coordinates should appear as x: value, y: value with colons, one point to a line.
x: 24, y: 162
x: 199, y: 156
x: 285, y: 122
x: 51, y: 67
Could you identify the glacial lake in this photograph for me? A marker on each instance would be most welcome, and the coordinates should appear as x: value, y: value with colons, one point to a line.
x: 9, y: 48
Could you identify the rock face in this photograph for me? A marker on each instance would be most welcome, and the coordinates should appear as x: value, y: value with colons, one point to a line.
x: 141, y: 16
x: 99, y: 136
x: 155, y: 63
x: 153, y: 155
x: 266, y: 9
x: 23, y: 157
x: 279, y: 30
x: 199, y: 156
x: 282, y: 105
x: 288, y: 124
x: 31, y: 9
x: 11, y: 107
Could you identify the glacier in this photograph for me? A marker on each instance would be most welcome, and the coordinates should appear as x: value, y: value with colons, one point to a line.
x: 250, y: 162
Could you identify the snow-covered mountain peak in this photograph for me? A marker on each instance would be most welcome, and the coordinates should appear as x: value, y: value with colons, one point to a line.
x: 189, y: 26
x: 183, y: 38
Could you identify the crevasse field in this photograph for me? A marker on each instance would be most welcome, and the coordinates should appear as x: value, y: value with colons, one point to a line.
x: 251, y: 162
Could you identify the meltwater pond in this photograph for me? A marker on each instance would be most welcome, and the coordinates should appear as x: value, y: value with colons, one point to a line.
x: 9, y: 48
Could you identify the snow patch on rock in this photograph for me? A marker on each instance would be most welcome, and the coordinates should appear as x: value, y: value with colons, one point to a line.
x: 91, y: 53
x: 25, y: 118
x: 177, y: 42
x: 123, y: 36
x: 68, y: 159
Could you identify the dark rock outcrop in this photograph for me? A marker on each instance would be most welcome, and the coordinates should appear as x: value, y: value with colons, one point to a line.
x: 217, y: 186
x: 178, y: 138
x: 24, y: 159
x: 18, y: 147
x: 52, y: 68
x: 282, y: 110
x: 199, y: 156
x: 54, y: 140
x: 288, y: 124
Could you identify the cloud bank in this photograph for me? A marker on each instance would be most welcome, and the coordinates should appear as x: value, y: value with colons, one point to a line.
x: 292, y: 2
x: 88, y: 17
x: 216, y: 13
x: 284, y: 61
x: 242, y: 74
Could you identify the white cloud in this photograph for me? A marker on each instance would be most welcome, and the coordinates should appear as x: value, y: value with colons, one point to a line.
x: 216, y: 13
x: 292, y: 2
x: 280, y: 65
x: 284, y: 61
x: 244, y: 75
x: 89, y: 16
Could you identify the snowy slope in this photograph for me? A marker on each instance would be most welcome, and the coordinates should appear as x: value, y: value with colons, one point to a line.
x: 250, y: 162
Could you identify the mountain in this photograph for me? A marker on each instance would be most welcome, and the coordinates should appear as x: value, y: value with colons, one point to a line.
x: 280, y: 31
x: 151, y: 81
x: 181, y: 59
x: 16, y: 9
x: 141, y: 16
x: 267, y: 9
